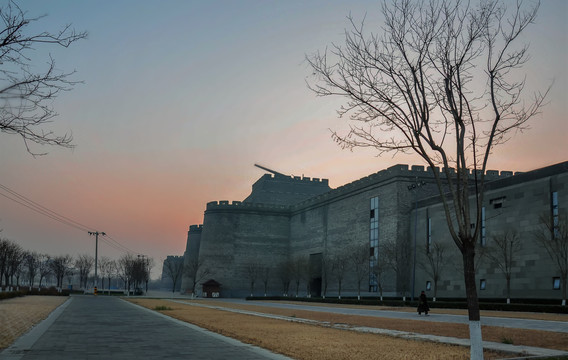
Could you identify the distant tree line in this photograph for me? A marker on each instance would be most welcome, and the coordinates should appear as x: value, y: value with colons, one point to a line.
x: 19, y: 267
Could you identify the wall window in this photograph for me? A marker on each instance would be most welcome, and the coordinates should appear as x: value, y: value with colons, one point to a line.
x: 482, y: 284
x: 428, y: 285
x: 554, y: 209
x: 497, y: 202
x: 556, y: 283
x: 373, y: 242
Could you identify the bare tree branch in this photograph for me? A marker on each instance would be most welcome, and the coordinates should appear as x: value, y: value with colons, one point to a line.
x: 26, y: 93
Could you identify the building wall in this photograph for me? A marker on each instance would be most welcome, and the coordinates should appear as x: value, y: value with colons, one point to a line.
x: 191, y: 254
x: 235, y: 235
x: 525, y: 198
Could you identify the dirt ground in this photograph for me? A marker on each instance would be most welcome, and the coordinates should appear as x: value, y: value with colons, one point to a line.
x: 303, y: 341
x: 18, y: 315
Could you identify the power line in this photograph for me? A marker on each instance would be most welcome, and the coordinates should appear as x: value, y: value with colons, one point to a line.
x: 40, y: 209
x: 116, y: 244
x: 44, y: 213
x: 43, y: 210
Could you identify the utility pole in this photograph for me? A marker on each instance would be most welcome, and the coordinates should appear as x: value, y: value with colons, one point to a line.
x: 96, y: 233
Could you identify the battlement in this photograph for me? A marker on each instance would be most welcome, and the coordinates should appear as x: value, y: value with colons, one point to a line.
x: 196, y: 228
x: 404, y: 170
x: 240, y: 205
x: 399, y: 170
x: 296, y: 179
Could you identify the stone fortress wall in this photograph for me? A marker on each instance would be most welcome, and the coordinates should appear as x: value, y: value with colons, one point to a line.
x: 307, y: 218
x: 513, y: 205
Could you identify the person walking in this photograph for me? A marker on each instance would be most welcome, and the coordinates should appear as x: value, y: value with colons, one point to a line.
x: 423, y: 304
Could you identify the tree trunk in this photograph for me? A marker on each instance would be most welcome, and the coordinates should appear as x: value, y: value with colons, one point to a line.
x: 476, y: 349
x: 508, y: 289
x: 563, y: 285
x: 435, y: 289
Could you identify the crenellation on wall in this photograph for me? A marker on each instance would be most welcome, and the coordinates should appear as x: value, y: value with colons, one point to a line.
x: 293, y: 178
x: 245, y: 206
x: 390, y: 173
x: 196, y: 228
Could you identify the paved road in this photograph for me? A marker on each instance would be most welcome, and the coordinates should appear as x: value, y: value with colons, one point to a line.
x: 89, y: 327
x: 556, y: 326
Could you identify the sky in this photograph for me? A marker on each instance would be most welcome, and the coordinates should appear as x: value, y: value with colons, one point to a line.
x: 179, y: 100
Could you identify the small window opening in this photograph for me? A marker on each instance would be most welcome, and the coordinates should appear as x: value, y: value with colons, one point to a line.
x: 556, y: 283
x: 497, y: 202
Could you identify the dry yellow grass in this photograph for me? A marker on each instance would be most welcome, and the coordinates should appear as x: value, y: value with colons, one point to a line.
x: 544, y: 339
x: 302, y: 341
x: 18, y: 315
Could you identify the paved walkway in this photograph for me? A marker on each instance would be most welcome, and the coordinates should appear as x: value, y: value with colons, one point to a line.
x: 555, y: 326
x: 102, y: 327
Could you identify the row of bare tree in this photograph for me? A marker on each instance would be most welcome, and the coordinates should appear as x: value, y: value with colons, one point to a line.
x: 357, y: 264
x: 175, y: 268
x: 22, y: 267
x: 18, y: 265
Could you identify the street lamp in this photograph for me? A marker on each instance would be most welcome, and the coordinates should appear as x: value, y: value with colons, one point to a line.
x: 414, y: 187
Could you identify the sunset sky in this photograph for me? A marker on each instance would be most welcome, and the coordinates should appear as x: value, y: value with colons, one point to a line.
x: 181, y: 98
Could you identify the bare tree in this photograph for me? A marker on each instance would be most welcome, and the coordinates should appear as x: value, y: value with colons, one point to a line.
x: 434, y: 262
x: 439, y: 80
x: 31, y: 263
x: 265, y: 277
x: 149, y: 265
x: 84, y: 264
x: 503, y: 252
x: 4, y: 244
x: 14, y: 261
x: 44, y: 267
x: 60, y: 266
x: 253, y: 270
x: 326, y: 273
x: 339, y: 268
x: 124, y: 267
x: 140, y: 272
x: 26, y: 93
x: 285, y: 275
x: 359, y: 258
x: 198, y: 271
x: 397, y: 257
x: 173, y: 269
x: 107, y: 267
x: 553, y: 235
x: 378, y: 270
x: 299, y: 270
